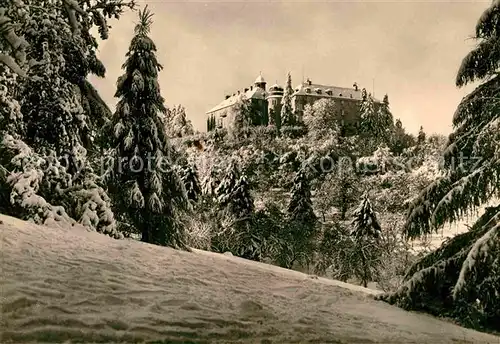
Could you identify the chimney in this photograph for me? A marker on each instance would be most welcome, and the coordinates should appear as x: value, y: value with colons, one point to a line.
x: 251, y: 88
x: 238, y: 92
x: 228, y: 96
x: 309, y: 82
x: 355, y: 85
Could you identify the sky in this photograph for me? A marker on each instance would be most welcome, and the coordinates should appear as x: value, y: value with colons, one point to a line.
x: 408, y: 50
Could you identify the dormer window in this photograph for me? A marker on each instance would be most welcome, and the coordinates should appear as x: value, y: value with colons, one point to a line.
x: 318, y: 91
x: 308, y: 90
x: 329, y: 92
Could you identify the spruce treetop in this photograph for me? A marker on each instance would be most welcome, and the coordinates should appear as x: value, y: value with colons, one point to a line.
x: 365, y: 220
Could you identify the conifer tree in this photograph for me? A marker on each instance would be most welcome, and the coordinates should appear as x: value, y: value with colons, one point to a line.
x: 300, y: 208
x: 366, y: 229
x: 233, y: 192
x: 301, y: 226
x: 386, y: 120
x: 145, y: 185
x: 287, y: 114
x: 47, y: 159
x: 461, y: 279
x: 421, y: 136
x: 191, y: 182
x: 370, y: 121
x: 365, y: 220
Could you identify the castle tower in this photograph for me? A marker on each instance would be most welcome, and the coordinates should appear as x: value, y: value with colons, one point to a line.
x: 260, y: 82
x: 274, y: 104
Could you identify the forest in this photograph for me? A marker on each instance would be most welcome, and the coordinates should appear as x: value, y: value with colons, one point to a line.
x: 305, y: 195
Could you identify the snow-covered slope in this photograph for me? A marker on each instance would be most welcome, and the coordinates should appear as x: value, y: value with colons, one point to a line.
x: 64, y: 284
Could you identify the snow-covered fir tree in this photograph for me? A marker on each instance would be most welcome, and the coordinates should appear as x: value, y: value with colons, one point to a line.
x: 287, y: 116
x: 365, y: 223
x: 366, y: 230
x: 386, y: 120
x: 144, y: 183
x: 51, y: 48
x: 234, y: 192
x: 462, y: 278
x: 369, y: 122
x: 191, y: 182
x: 300, y: 208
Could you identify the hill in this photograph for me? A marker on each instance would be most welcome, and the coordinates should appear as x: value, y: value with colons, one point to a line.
x: 70, y: 285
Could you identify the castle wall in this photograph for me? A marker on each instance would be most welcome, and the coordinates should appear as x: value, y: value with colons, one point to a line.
x: 224, y: 118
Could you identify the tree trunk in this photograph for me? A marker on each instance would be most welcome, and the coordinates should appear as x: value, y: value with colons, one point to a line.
x: 365, y: 273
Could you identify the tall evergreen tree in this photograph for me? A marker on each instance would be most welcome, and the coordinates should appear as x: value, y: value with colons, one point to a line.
x: 300, y: 208
x: 61, y: 111
x: 421, y: 136
x: 386, y: 120
x: 301, y: 227
x: 461, y: 279
x: 366, y: 229
x: 370, y: 121
x: 365, y: 220
x: 233, y: 192
x: 287, y: 114
x: 191, y: 182
x: 145, y: 185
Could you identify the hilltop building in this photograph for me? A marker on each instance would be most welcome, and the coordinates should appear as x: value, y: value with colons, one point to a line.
x: 266, y: 102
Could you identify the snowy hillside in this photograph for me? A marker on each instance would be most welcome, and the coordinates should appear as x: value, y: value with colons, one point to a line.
x: 63, y: 284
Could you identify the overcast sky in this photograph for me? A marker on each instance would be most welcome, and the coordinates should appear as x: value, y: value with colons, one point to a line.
x: 412, y: 50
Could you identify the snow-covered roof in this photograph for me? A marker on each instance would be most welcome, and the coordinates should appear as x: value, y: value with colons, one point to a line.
x: 324, y: 91
x: 254, y: 93
x: 259, y: 79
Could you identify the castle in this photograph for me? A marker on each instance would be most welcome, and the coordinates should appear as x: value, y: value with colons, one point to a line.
x: 267, y: 102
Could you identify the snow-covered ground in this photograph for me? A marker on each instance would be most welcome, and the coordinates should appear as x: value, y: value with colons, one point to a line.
x: 63, y: 284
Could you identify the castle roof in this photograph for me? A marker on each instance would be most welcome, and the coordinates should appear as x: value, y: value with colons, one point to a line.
x: 254, y: 93
x: 324, y: 91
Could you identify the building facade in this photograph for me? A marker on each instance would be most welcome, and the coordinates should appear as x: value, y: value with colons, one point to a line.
x: 267, y: 103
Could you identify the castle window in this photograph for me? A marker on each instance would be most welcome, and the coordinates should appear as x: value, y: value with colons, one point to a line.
x: 340, y: 94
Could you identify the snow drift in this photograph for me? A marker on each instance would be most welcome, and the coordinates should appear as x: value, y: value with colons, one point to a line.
x: 70, y: 285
